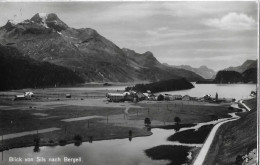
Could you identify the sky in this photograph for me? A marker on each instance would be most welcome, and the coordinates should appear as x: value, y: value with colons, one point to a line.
x: 217, y: 34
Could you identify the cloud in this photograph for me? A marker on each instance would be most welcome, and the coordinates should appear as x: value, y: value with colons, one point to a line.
x: 127, y: 12
x: 232, y: 21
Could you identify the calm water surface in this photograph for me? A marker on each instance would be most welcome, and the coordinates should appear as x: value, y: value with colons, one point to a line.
x: 105, y: 152
x: 237, y: 91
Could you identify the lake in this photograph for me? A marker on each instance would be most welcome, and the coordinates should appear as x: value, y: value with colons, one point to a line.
x: 237, y: 91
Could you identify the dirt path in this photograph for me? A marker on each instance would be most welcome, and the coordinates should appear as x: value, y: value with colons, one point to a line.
x: 247, y: 108
x: 15, y: 135
x: 205, y: 148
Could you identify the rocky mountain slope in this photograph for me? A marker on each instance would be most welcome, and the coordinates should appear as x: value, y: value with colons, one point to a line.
x: 45, y: 37
x: 19, y: 71
x: 245, y: 66
x: 203, y: 70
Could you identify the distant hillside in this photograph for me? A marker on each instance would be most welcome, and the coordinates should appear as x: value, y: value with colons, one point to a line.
x: 23, y: 72
x: 151, y: 69
x: 225, y: 77
x: 203, y: 70
x: 46, y: 38
x: 233, y: 77
x: 245, y: 66
x: 160, y: 86
x: 250, y: 75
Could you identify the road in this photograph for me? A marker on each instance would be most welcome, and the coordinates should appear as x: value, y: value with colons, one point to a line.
x: 205, y: 148
x: 15, y: 135
x: 247, y: 108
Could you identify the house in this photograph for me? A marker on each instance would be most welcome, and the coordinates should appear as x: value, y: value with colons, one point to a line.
x: 140, y: 96
x: 28, y: 95
x: 253, y: 93
x: 115, y: 97
x: 25, y: 96
x: 166, y: 97
x: 186, y: 98
x: 146, y: 94
x: 19, y: 97
x: 128, y: 96
x: 175, y: 97
x: 207, y: 97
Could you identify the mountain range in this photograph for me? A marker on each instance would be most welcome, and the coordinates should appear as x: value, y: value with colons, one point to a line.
x: 248, y: 64
x: 46, y: 38
x: 245, y: 73
x: 85, y: 56
x: 203, y: 70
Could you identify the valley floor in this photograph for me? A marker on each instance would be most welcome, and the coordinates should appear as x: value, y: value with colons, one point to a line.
x: 89, y: 115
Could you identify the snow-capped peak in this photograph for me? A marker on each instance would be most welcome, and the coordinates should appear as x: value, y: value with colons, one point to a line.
x: 43, y: 15
x: 49, y: 20
x: 12, y: 21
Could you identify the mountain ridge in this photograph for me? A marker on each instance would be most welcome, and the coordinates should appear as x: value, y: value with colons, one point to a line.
x: 243, y: 67
x: 203, y: 70
x: 45, y: 37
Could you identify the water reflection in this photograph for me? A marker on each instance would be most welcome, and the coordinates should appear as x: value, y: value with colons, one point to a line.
x: 177, y: 128
x: 36, y: 144
x: 117, y: 151
x: 237, y: 91
x: 90, y: 139
x: 36, y: 148
x: 77, y: 143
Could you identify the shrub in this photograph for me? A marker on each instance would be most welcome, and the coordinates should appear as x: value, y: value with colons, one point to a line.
x: 62, y: 142
x: 177, y: 120
x: 78, y: 137
x: 147, y: 121
x: 160, y: 98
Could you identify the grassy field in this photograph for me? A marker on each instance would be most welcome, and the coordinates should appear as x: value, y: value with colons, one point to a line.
x: 188, y: 111
x: 235, y: 138
x: 42, y: 113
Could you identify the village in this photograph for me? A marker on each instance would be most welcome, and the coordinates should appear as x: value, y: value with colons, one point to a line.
x: 132, y: 96
x: 138, y: 96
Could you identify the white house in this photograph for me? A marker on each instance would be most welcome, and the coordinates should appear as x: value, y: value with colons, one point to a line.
x: 116, y: 97
x: 19, y: 97
x: 175, y: 97
x: 186, y: 98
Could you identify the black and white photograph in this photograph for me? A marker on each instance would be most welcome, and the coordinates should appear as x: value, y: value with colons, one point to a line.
x: 85, y: 82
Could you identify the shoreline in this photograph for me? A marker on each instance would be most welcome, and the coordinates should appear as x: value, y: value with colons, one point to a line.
x: 25, y: 145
